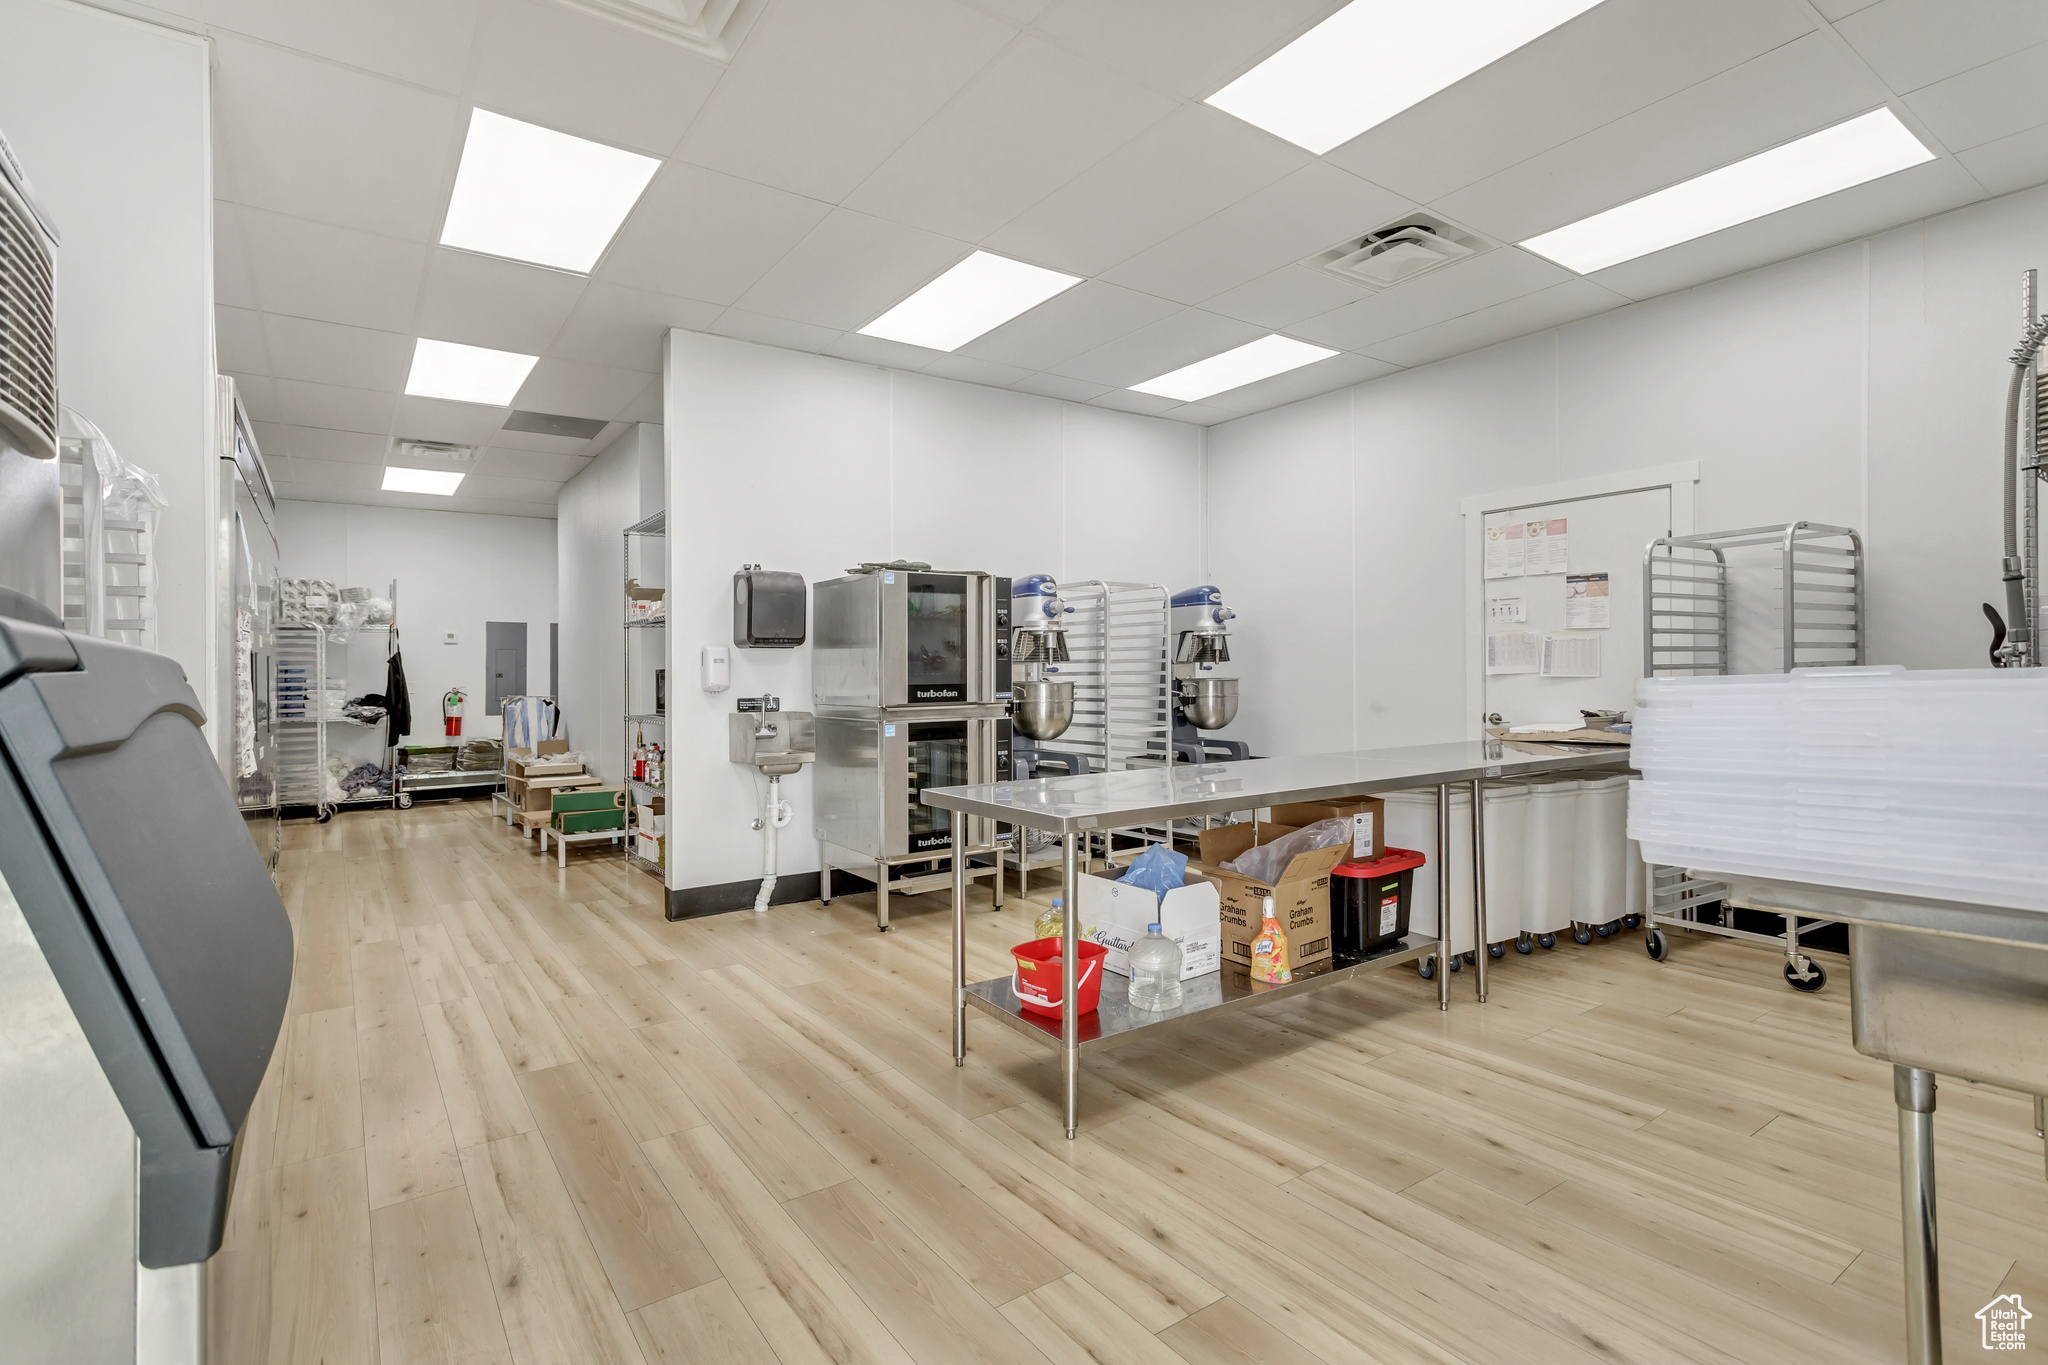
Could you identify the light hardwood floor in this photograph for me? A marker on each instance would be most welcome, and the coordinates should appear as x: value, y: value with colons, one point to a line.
x: 516, y: 1116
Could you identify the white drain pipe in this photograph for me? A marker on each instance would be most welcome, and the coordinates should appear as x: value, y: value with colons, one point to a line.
x: 775, y: 813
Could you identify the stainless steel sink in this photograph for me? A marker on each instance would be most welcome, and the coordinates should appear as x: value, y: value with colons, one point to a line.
x: 777, y: 742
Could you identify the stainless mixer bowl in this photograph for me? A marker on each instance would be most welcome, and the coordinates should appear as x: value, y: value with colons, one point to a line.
x: 1044, y: 708
x: 1209, y: 703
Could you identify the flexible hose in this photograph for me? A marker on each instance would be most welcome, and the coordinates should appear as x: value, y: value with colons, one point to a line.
x: 2021, y: 629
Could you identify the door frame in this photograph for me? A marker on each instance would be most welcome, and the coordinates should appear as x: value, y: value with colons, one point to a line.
x: 1679, y: 478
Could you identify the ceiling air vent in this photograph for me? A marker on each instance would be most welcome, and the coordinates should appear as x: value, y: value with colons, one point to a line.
x: 555, y: 424
x: 1396, y: 253
x: 712, y: 28
x: 441, y: 452
x: 28, y: 317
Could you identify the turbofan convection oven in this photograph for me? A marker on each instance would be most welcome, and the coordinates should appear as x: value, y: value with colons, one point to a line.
x: 898, y: 637
x: 870, y: 770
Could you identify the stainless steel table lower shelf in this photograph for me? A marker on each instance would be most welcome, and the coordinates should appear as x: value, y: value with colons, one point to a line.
x: 1210, y: 996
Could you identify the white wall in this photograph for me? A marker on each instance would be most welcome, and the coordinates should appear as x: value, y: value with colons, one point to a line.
x: 617, y: 489
x: 455, y: 571
x: 1861, y: 386
x: 804, y: 462
x: 109, y: 117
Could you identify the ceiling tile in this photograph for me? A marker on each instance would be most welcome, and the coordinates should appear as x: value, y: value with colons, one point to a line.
x: 1911, y: 43
x: 1800, y: 88
x: 1170, y: 177
x: 1989, y: 102
x: 535, y: 442
x: 622, y: 327
x: 335, y: 274
x: 502, y: 489
x: 1090, y: 314
x: 795, y: 336
x: 850, y: 270
x: 339, y: 409
x: 1832, y: 10
x: 339, y: 146
x: 334, y: 476
x: 1311, y: 210
x: 1610, y: 61
x: 231, y: 284
x: 2011, y: 163
x: 645, y: 408
x: 876, y: 351
x: 1201, y: 414
x: 485, y: 301
x: 547, y: 64
x: 700, y: 234
x: 822, y: 91
x: 501, y: 462
x: 1016, y: 11
x: 327, y: 353
x: 1123, y: 400
x: 1166, y: 345
x: 258, y: 394
x: 279, y: 467
x: 421, y: 42
x: 438, y: 419
x: 1336, y: 372
x: 1481, y: 282
x: 1035, y: 119
x: 1924, y: 190
x: 1061, y: 387
x: 975, y: 371
x: 1281, y: 298
x: 1552, y: 307
x: 238, y: 341
x: 574, y: 389
x: 1191, y: 47
x: 313, y: 445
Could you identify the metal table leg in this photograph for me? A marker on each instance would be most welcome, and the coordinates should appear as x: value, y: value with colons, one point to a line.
x: 882, y: 892
x: 1479, y: 940
x: 1070, y: 1018
x: 824, y: 875
x: 1443, y: 897
x: 960, y: 942
x: 1913, y: 1090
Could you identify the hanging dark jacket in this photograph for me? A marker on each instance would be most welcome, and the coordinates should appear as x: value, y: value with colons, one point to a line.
x: 398, y: 701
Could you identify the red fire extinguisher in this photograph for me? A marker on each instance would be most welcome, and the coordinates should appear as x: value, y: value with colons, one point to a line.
x: 451, y: 711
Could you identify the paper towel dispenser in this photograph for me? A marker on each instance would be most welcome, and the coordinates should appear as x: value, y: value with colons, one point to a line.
x: 150, y: 902
x: 769, y: 608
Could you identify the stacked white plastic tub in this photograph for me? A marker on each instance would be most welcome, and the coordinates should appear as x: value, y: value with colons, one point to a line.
x: 1552, y: 841
x: 1507, y: 822
x: 1927, y: 783
x: 1600, y: 862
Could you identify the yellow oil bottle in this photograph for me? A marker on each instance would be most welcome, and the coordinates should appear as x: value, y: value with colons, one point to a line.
x: 1269, y: 950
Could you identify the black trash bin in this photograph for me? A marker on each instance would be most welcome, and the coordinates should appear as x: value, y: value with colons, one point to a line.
x: 1369, y: 902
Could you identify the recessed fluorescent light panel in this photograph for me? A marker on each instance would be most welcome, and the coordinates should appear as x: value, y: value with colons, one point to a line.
x: 467, y: 374
x: 1852, y: 153
x: 1373, y: 58
x: 1255, y: 360
x: 440, y: 482
x: 978, y: 295
x: 533, y: 194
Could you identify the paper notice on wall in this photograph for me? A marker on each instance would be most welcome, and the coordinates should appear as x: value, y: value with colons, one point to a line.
x: 1504, y: 549
x: 1587, y: 603
x: 1571, y: 656
x: 1514, y: 651
x: 1508, y: 610
x: 1546, y: 546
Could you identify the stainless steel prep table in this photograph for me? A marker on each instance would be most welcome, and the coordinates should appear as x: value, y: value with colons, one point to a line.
x: 1095, y: 801
x: 1936, y: 987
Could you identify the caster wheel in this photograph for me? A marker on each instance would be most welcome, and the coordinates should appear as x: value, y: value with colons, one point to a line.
x: 1631, y: 921
x: 1816, y: 978
x: 1469, y: 958
x: 1426, y: 968
x: 1581, y: 934
x: 1524, y: 944
x: 405, y: 800
x: 1603, y: 930
x: 322, y: 817
x: 1496, y: 950
x: 1546, y: 940
x: 1653, y: 944
x: 1456, y: 963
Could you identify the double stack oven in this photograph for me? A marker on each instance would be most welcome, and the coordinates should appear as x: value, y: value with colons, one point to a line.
x: 910, y: 681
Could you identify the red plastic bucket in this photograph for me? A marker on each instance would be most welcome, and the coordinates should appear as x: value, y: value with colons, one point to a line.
x: 1038, y: 975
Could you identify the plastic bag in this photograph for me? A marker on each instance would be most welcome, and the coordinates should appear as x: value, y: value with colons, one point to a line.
x: 1267, y: 862
x: 1158, y: 869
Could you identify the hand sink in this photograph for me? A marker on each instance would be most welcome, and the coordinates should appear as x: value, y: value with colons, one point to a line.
x: 777, y: 742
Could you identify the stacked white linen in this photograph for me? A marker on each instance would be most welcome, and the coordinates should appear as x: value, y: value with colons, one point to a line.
x: 1927, y: 783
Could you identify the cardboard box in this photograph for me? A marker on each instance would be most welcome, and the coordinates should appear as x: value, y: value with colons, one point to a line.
x: 537, y: 793
x: 575, y: 812
x: 650, y: 815
x: 534, y: 762
x: 1116, y: 916
x: 1368, y: 821
x: 649, y: 847
x: 1301, y: 897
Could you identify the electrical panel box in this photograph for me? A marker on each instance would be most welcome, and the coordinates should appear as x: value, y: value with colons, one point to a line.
x: 769, y: 608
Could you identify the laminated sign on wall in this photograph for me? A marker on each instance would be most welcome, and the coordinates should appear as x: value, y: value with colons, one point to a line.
x: 1513, y: 651
x: 1587, y: 602
x: 1571, y: 656
x: 1545, y: 546
x: 1504, y: 549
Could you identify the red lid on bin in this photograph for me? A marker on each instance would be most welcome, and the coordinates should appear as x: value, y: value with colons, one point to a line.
x: 1394, y: 860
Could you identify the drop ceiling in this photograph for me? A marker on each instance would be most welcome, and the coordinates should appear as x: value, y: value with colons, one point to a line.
x: 852, y: 150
